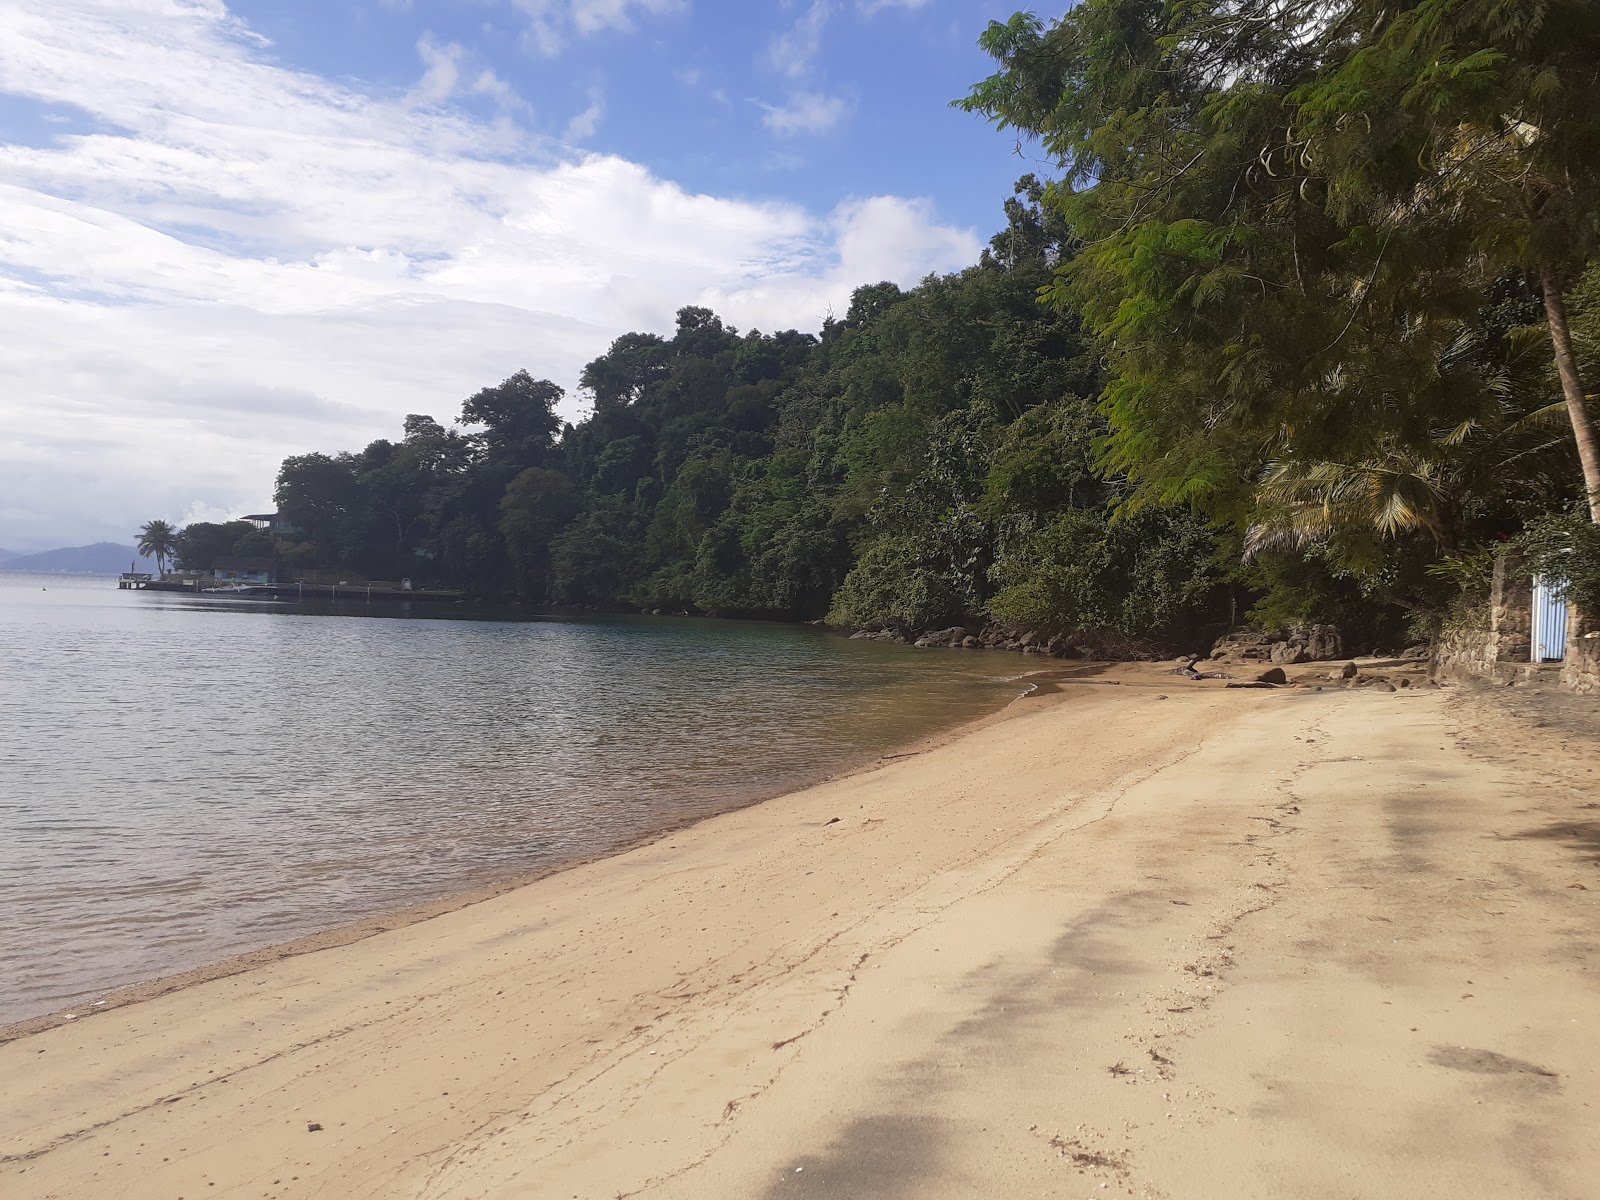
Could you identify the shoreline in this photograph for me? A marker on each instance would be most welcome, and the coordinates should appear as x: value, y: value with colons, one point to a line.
x: 1152, y: 939
x: 348, y: 932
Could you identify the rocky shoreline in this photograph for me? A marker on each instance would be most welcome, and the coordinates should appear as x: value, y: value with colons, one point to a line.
x: 1285, y: 647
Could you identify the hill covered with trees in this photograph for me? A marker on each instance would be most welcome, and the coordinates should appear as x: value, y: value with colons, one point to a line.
x: 1299, y: 332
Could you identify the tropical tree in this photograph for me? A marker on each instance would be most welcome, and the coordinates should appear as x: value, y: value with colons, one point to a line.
x: 158, y: 540
x: 1290, y: 211
x: 1479, y: 122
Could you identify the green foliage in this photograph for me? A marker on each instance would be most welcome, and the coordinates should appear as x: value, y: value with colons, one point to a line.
x: 201, y: 543
x: 1566, y: 547
x: 1154, y: 575
x: 158, y: 540
x: 538, y: 504
x: 897, y: 584
x: 1292, y: 219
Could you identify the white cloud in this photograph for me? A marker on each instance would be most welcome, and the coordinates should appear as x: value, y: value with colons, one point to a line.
x: 551, y: 24
x: 805, y: 112
x: 444, y: 79
x: 582, y: 127
x: 443, y: 74
x: 794, y: 50
x: 229, y: 262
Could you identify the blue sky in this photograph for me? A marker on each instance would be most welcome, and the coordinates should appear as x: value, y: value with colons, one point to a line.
x: 232, y: 231
x: 690, y: 89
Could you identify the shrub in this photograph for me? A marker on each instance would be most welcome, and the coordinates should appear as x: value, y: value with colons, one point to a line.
x: 1566, y: 547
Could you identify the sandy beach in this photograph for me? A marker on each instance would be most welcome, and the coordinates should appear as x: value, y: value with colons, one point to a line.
x: 1144, y: 937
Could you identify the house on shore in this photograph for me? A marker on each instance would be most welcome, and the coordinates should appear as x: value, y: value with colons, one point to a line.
x: 272, y: 523
x: 234, y: 569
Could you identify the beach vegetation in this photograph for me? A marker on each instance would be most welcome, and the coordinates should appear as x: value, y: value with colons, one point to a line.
x: 1296, y: 332
x: 158, y: 539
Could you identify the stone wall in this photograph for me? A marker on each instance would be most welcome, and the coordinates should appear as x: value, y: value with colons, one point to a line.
x: 1496, y: 643
x: 1581, y: 670
x: 1511, y: 611
x: 1465, y: 652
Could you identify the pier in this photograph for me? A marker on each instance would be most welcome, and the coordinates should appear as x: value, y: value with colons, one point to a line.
x: 348, y: 591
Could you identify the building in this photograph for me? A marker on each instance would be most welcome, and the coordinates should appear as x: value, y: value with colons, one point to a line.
x: 231, y: 569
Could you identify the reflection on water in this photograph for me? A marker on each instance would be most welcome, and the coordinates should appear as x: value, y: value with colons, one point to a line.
x: 183, y: 778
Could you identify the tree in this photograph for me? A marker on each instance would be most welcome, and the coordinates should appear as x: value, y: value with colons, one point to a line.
x: 158, y: 540
x: 1491, y: 114
x: 322, y: 495
x: 1291, y: 210
x: 519, y: 418
x: 536, y: 507
x: 201, y: 543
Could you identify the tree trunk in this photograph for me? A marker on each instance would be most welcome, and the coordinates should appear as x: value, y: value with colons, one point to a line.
x: 1555, y: 307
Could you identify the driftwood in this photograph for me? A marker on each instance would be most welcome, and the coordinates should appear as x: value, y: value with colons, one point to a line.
x: 1188, y: 672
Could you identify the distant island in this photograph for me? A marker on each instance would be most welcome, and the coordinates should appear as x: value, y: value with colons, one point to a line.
x: 101, y: 558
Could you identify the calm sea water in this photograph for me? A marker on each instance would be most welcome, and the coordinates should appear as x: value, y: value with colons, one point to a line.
x: 182, y: 779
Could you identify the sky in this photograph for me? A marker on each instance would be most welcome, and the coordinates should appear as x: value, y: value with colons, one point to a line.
x: 233, y: 231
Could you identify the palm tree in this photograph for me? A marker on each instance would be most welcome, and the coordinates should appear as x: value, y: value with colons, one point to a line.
x: 158, y: 540
x: 1396, y: 490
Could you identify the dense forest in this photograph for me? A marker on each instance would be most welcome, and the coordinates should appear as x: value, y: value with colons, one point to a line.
x: 1297, y: 333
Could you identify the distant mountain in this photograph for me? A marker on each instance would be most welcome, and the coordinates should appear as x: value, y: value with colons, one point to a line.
x: 7, y: 554
x: 102, y: 558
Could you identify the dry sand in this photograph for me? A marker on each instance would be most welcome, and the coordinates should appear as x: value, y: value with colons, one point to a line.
x: 1228, y: 944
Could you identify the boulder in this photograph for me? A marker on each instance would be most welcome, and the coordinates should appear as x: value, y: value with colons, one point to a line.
x: 1274, y: 676
x: 1289, y: 653
x: 1243, y: 644
x: 1349, y: 671
x: 1323, y: 642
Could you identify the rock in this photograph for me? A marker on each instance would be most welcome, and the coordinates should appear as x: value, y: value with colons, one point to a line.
x: 1258, y: 685
x: 1386, y: 686
x: 313, y: 1127
x: 1274, y: 676
x: 1244, y: 644
x: 862, y: 635
x: 1420, y: 651
x: 1289, y: 652
x: 924, y: 643
x: 1349, y: 671
x: 969, y: 641
x: 1322, y: 642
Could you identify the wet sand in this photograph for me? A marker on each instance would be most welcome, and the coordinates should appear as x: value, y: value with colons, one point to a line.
x: 1218, y: 944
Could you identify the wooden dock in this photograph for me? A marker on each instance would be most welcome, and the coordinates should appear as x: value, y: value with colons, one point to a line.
x: 364, y: 592
x: 143, y: 581
x: 367, y: 593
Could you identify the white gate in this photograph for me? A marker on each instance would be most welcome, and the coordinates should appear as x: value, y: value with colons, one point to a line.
x: 1549, y: 620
